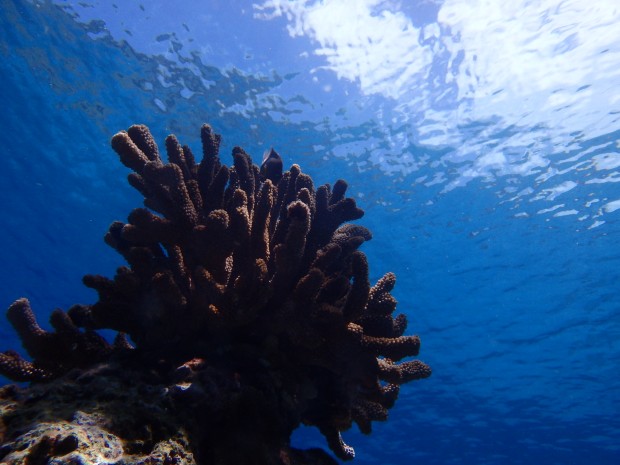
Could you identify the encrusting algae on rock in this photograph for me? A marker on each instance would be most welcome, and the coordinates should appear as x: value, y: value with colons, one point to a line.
x: 245, y: 311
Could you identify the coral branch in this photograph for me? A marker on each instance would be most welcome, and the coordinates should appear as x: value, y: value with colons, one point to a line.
x: 54, y: 353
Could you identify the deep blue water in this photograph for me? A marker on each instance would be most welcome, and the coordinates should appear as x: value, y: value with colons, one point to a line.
x: 481, y: 140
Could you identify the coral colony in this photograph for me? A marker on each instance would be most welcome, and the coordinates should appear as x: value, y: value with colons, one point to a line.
x: 245, y: 311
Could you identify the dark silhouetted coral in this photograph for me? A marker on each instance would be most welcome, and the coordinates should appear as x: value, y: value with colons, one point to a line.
x: 246, y: 307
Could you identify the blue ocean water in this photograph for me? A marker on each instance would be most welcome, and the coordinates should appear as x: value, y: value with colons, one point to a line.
x: 481, y: 139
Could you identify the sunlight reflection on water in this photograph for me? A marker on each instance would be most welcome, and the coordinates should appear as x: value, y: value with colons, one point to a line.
x: 520, y: 96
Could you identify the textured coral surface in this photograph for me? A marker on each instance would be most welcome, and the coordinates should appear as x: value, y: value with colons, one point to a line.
x: 103, y: 415
x: 246, y: 306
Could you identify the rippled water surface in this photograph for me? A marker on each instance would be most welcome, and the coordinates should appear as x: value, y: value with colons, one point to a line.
x: 482, y: 138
